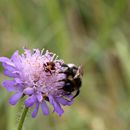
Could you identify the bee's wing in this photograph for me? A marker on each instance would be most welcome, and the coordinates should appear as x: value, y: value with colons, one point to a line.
x: 79, y: 72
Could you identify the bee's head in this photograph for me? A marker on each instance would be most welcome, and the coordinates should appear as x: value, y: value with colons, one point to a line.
x: 78, y: 71
x: 73, y: 68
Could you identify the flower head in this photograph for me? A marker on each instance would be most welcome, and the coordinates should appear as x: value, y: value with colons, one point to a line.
x: 39, y: 78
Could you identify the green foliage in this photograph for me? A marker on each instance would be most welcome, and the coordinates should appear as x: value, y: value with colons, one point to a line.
x: 94, y: 33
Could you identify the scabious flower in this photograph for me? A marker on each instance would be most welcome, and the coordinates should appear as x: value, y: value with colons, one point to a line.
x: 39, y: 78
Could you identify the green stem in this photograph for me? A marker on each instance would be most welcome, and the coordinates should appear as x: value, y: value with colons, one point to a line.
x: 22, y: 118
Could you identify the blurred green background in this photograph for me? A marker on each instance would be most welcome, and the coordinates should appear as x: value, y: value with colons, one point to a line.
x: 94, y: 33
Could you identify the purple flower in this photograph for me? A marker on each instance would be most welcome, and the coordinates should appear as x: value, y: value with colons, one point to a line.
x: 38, y: 77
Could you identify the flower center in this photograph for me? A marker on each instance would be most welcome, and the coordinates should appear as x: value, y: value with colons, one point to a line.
x: 32, y: 69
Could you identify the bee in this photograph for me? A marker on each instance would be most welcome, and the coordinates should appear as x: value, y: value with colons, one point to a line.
x: 73, y: 79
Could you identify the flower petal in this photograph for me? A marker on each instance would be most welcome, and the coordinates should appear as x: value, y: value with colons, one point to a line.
x: 15, y: 56
x: 9, y: 85
x: 34, y: 113
x: 17, y: 59
x: 45, y: 109
x: 9, y: 67
x: 39, y: 97
x: 27, y: 52
x: 56, y: 105
x: 30, y: 101
x: 64, y: 101
x: 28, y: 91
x: 14, y: 99
x: 7, y: 61
x: 18, y: 81
x: 10, y: 74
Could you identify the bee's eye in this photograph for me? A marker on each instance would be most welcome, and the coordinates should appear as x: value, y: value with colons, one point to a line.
x: 68, y: 87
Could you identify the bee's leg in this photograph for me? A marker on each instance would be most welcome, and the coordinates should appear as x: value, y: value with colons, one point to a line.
x: 77, y: 93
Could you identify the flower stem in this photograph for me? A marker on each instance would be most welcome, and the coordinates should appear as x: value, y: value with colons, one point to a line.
x: 22, y: 118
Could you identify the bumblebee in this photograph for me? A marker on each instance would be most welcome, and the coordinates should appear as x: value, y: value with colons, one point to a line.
x: 73, y: 79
